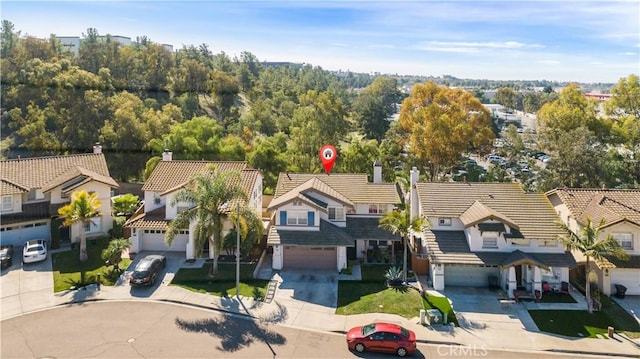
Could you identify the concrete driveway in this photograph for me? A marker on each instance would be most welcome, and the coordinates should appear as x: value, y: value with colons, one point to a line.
x: 480, y: 308
x: 25, y: 288
x: 631, y: 303
x: 312, y: 287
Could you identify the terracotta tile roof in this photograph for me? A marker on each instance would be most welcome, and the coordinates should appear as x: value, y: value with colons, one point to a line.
x: 47, y: 172
x: 532, y: 213
x: 169, y: 176
x: 151, y: 220
x: 11, y: 188
x: 310, y: 185
x: 612, y: 205
x: 355, y: 187
x: 479, y: 212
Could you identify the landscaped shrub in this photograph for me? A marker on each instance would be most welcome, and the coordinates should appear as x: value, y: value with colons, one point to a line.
x: 394, y: 277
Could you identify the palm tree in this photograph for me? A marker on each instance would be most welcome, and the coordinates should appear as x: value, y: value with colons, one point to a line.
x: 589, y: 242
x: 400, y: 222
x: 81, y: 209
x: 212, y: 194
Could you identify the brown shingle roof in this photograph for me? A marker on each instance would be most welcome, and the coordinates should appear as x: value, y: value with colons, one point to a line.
x: 48, y: 172
x: 354, y: 187
x: 612, y: 205
x: 173, y: 175
x: 531, y: 212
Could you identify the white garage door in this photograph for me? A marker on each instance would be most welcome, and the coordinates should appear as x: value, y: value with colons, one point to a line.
x: 468, y: 276
x: 19, y: 234
x: 629, y: 278
x: 310, y: 257
x: 155, y: 242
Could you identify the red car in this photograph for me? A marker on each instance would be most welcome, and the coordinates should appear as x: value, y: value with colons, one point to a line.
x: 382, y: 337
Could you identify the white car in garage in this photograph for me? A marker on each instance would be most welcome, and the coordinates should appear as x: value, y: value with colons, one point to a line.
x: 34, y: 250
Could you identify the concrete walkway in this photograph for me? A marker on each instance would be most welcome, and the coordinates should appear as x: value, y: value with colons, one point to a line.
x: 486, y: 330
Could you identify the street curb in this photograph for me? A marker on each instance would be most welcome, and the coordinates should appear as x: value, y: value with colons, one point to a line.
x: 421, y: 341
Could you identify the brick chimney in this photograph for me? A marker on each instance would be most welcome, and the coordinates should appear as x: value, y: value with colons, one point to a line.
x: 167, y: 155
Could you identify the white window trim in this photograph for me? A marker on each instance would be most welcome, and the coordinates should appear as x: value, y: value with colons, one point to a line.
x: 297, y: 218
x: 7, y: 205
x: 626, y: 238
x: 489, y: 245
x: 337, y: 210
x: 444, y: 221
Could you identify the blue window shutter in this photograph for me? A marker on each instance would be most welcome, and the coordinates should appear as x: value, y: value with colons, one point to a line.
x: 310, y: 218
x: 283, y: 218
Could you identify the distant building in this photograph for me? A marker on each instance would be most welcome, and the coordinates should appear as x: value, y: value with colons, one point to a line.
x: 599, y: 96
x: 72, y: 43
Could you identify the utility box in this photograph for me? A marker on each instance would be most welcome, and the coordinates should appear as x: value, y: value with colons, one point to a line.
x: 433, y: 316
x: 423, y: 317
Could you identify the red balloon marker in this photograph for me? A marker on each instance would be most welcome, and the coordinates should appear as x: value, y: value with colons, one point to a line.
x: 328, y: 155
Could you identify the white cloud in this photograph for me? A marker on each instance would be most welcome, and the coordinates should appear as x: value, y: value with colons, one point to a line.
x: 548, y: 62
x: 473, y: 46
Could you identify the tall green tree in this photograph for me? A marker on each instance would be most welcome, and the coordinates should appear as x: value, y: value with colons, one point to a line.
x: 212, y: 194
x: 593, y: 245
x: 375, y: 105
x: 82, y: 208
x: 400, y: 222
x: 507, y: 97
x: 439, y: 123
x: 113, y: 253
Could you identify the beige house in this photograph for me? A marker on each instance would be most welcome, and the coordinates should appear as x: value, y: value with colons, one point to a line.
x: 34, y: 188
x: 620, y: 210
x: 149, y: 224
x: 488, y: 234
x: 321, y: 220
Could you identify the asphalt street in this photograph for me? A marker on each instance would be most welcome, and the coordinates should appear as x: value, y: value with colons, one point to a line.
x: 135, y: 329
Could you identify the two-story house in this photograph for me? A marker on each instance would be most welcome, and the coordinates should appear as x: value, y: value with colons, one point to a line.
x: 620, y: 210
x: 149, y: 224
x: 34, y: 188
x: 484, y: 233
x: 323, y: 220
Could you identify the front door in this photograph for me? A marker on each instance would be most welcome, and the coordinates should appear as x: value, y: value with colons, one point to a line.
x: 518, y: 276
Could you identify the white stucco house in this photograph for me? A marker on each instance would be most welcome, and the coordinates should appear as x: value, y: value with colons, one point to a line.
x: 322, y: 220
x: 149, y: 224
x: 488, y: 233
x: 620, y: 210
x: 34, y: 188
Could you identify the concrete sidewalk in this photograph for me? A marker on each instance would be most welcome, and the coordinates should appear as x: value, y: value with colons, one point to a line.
x: 491, y: 335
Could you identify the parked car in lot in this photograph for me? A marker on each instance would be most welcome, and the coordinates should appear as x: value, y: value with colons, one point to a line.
x: 6, y: 256
x: 34, y: 250
x: 382, y: 337
x: 147, y: 270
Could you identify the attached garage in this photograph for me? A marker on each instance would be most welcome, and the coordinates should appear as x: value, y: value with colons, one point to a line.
x: 468, y: 276
x: 18, y: 234
x: 155, y: 242
x: 310, y: 257
x: 629, y: 278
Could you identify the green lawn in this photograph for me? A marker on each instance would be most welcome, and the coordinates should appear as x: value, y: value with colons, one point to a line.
x: 224, y: 283
x: 374, y: 297
x: 578, y: 323
x: 551, y: 297
x: 69, y: 272
x: 441, y: 303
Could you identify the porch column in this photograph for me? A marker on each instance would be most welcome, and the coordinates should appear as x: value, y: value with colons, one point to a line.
x: 342, y: 258
x: 511, y: 281
x: 606, y: 282
x: 191, y: 245
x: 437, y: 275
x: 276, y: 259
x: 135, y: 240
x: 537, y: 279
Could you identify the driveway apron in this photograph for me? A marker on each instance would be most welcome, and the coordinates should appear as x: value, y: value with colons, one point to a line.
x: 25, y: 288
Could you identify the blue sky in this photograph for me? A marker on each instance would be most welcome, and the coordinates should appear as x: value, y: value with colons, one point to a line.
x: 586, y: 41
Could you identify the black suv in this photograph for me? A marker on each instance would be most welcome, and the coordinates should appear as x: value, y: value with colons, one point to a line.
x: 147, y: 270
